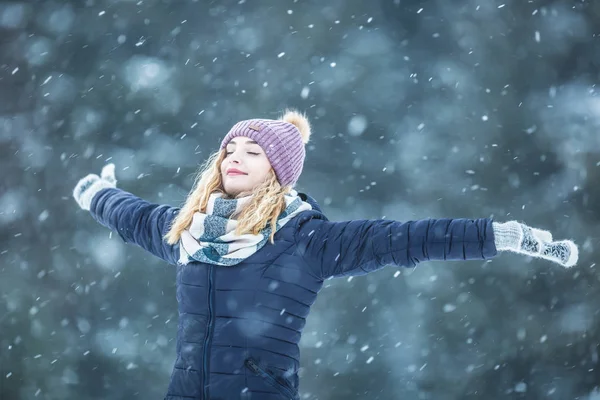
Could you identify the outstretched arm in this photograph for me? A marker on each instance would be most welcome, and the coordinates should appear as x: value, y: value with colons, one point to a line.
x: 135, y: 220
x: 334, y: 249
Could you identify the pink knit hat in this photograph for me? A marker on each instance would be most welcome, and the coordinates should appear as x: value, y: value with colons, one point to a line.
x: 282, y: 141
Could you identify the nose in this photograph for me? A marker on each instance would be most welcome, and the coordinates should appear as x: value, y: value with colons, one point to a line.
x: 234, y: 157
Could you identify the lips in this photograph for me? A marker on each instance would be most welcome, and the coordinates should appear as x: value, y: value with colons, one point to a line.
x: 233, y: 171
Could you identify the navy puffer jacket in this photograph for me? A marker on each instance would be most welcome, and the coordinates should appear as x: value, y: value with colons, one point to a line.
x: 239, y: 327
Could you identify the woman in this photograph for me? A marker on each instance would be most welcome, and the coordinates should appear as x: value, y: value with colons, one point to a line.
x: 252, y: 254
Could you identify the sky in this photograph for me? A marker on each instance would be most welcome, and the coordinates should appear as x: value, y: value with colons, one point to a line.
x: 420, y: 109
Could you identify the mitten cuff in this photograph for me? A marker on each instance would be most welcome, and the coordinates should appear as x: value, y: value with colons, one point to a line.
x: 507, y: 235
x: 85, y: 201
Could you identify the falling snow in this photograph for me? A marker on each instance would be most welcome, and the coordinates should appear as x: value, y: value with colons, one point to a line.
x: 469, y: 110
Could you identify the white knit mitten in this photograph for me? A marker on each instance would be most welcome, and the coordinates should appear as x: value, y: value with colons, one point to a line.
x: 520, y: 238
x: 88, y: 186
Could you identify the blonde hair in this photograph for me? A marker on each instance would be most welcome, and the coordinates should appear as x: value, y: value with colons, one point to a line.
x: 266, y: 205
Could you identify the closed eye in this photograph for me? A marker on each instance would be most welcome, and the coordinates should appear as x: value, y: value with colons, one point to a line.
x: 253, y: 153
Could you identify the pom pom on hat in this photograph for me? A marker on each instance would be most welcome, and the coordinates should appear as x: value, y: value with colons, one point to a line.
x: 300, y: 121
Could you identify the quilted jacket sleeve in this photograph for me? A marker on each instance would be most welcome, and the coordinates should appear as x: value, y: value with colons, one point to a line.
x: 334, y: 249
x: 136, y: 221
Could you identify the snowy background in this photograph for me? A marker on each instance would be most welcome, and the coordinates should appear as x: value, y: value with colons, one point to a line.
x: 420, y: 109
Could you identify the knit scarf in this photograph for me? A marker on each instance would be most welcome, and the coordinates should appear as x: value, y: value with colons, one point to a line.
x: 211, y: 236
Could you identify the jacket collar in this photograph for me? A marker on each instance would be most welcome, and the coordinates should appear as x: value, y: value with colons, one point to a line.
x: 313, y: 203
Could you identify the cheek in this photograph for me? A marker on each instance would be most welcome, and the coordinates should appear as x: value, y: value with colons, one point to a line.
x: 223, y: 168
x: 266, y: 165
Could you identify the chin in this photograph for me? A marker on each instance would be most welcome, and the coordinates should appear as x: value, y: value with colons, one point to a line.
x: 233, y: 191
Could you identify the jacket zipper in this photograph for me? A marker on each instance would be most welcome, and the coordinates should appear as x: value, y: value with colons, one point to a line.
x: 209, y: 332
x: 270, y: 379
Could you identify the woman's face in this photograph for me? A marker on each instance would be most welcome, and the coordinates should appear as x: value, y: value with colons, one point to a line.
x: 245, y: 166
